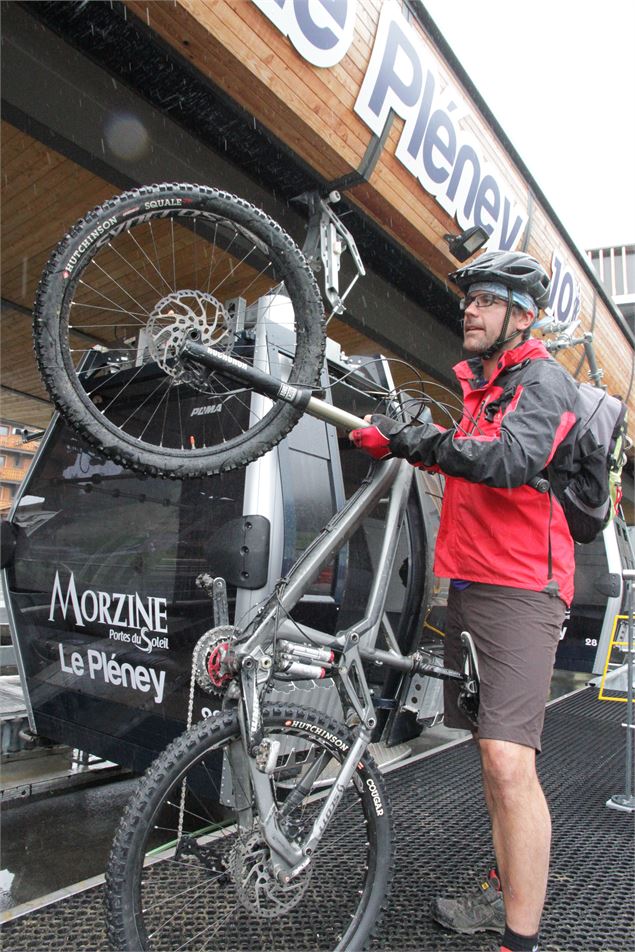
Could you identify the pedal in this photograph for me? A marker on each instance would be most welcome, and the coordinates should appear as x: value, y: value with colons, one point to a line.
x: 422, y: 695
x: 468, y: 699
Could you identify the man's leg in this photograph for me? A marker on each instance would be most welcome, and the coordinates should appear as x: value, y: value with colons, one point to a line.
x: 521, y: 830
x: 516, y: 662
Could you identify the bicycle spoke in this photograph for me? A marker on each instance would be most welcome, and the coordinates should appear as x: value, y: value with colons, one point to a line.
x: 158, y: 278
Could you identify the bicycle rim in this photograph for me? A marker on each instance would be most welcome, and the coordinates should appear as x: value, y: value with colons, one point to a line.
x: 209, y: 887
x: 130, y: 284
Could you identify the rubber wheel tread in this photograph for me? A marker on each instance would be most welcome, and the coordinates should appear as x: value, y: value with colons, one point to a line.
x: 168, y: 768
x: 53, y: 362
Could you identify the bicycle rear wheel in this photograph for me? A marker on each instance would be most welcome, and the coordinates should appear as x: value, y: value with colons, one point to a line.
x: 178, y: 878
x: 130, y: 284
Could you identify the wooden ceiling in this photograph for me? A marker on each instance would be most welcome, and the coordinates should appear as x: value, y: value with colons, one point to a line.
x: 43, y: 195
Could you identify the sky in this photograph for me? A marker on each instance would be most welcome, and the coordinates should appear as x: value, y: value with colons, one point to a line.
x: 559, y: 76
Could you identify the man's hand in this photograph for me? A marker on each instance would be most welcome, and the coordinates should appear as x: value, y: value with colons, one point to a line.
x: 375, y: 439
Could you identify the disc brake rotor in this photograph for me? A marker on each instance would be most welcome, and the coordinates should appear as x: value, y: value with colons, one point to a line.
x: 258, y: 889
x: 187, y: 315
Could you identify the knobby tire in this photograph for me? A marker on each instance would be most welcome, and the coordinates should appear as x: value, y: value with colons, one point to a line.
x: 121, y: 291
x: 184, y: 901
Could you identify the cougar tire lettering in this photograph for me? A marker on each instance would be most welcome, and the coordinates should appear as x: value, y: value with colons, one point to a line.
x: 379, y: 808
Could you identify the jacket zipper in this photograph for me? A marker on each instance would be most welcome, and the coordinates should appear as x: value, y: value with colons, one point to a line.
x: 479, y: 413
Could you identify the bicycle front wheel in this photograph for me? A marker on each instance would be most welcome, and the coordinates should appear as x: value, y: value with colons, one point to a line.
x: 136, y: 279
x: 180, y: 877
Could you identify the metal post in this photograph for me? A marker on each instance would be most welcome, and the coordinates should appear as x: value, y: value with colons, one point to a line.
x: 626, y: 801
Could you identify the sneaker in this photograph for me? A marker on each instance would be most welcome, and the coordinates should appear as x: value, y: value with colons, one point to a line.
x: 483, y: 911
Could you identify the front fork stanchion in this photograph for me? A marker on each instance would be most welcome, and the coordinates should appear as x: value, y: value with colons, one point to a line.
x: 288, y: 858
x: 258, y: 765
x: 338, y: 789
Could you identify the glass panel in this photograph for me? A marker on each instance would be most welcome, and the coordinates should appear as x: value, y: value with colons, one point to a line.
x: 313, y: 497
x: 103, y: 590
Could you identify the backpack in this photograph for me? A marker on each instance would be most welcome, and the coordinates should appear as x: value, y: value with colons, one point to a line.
x: 586, y: 471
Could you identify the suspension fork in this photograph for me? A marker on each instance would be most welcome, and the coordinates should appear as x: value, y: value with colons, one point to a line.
x: 342, y: 779
x: 252, y: 767
x: 252, y: 760
x: 289, y: 858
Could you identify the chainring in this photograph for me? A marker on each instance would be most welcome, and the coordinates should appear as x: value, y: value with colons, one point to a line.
x: 211, y: 645
x: 258, y: 889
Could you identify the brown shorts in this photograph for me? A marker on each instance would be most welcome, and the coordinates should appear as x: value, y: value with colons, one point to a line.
x: 516, y: 633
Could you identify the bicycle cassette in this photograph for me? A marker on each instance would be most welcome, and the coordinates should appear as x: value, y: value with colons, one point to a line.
x: 213, y: 668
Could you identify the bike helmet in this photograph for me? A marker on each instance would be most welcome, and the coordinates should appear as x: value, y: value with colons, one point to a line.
x: 514, y: 269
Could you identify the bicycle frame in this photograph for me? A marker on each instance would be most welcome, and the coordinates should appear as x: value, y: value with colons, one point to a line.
x: 351, y: 646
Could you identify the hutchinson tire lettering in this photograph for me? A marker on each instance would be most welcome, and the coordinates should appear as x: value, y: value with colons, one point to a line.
x: 106, y: 230
x: 319, y: 732
x: 101, y: 229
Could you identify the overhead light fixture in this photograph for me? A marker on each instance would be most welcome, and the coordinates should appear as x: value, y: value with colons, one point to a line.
x: 463, y: 246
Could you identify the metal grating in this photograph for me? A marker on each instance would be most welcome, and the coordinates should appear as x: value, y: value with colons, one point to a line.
x: 442, y: 840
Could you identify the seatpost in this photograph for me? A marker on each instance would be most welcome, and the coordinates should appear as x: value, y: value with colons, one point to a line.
x: 269, y: 386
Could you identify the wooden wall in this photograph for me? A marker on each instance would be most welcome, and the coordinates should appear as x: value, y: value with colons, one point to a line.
x: 43, y: 194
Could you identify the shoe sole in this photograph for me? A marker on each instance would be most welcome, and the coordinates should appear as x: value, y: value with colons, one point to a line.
x: 467, y: 931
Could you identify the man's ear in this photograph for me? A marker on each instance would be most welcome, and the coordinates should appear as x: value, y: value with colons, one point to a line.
x: 524, y: 319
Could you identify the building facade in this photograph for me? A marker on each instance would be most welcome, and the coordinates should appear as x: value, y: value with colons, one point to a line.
x: 273, y: 104
x: 615, y: 268
x: 16, y: 454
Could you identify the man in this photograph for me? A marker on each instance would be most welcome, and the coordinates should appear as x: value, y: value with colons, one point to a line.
x: 507, y: 549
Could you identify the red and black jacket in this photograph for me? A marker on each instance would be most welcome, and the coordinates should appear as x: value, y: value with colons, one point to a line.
x: 494, y: 527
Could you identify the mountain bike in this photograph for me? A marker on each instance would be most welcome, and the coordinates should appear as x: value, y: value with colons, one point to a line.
x: 266, y: 825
